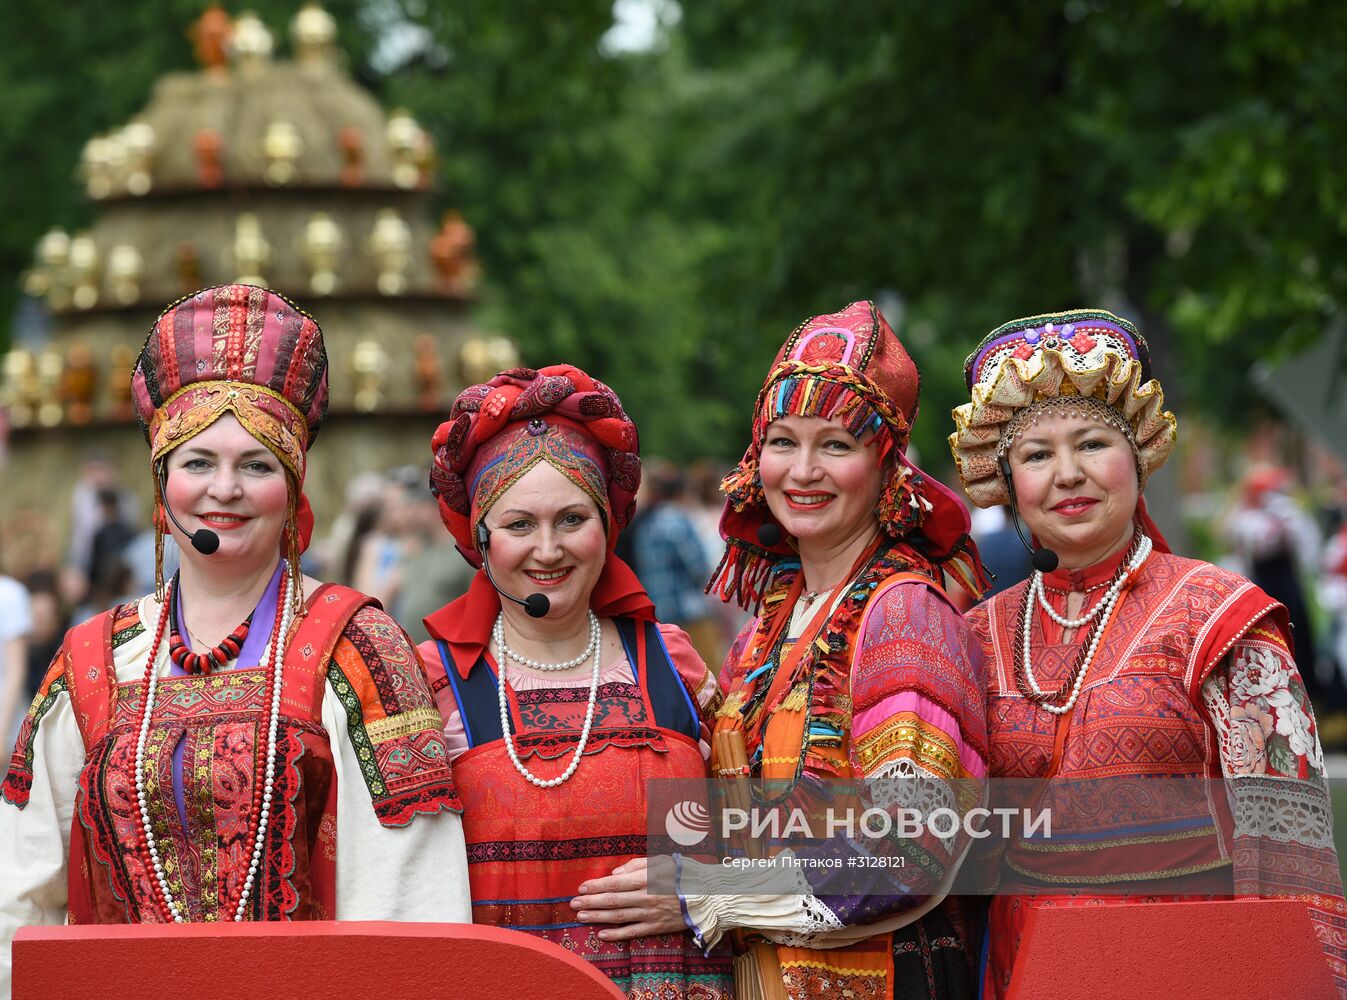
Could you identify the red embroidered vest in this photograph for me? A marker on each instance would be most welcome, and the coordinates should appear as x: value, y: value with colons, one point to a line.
x: 220, y: 721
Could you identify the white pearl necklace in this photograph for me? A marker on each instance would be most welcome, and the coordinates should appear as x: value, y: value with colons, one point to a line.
x: 284, y: 619
x: 1143, y: 550
x: 1103, y: 609
x: 505, y: 655
x: 498, y: 634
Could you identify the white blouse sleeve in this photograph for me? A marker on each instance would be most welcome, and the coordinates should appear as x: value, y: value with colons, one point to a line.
x: 413, y: 872
x: 35, y: 839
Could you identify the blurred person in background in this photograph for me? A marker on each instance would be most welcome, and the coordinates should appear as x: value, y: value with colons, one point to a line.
x: 341, y: 548
x: 671, y: 559
x: 1003, y: 554
x: 1279, y: 548
x: 430, y: 573
x: 16, y: 626
x: 50, y: 620
x: 89, y: 511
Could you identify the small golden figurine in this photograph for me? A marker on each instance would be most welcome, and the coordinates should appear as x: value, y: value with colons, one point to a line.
x: 79, y: 383
x: 312, y: 33
x: 369, y: 364
x: 140, y: 143
x: 451, y: 252
x: 124, y: 272
x: 100, y: 163
x: 481, y: 357
x: 84, y: 271
x: 427, y: 371
x: 250, y: 44
x: 406, y: 144
x: 22, y: 387
x: 50, y: 371
x: 282, y: 147
x: 322, y: 244
x: 252, y: 252
x: 391, y: 243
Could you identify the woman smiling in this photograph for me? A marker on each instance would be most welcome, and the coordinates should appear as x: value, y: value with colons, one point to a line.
x: 562, y: 700
x: 245, y: 743
x: 1128, y: 673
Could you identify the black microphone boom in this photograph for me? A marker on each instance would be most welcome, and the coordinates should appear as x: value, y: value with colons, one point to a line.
x: 203, y: 540
x: 1044, y: 560
x: 535, y: 605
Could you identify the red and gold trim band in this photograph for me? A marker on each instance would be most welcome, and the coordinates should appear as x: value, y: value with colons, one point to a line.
x: 266, y: 415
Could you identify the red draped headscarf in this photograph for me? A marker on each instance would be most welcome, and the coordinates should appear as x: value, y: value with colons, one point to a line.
x: 497, y: 432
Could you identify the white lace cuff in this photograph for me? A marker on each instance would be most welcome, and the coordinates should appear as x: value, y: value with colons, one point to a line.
x: 717, y: 899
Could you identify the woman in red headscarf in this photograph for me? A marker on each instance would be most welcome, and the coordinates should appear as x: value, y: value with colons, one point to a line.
x: 245, y: 743
x: 856, y: 677
x: 561, y: 702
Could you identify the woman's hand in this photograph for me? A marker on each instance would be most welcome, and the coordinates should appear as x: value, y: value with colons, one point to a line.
x: 621, y: 899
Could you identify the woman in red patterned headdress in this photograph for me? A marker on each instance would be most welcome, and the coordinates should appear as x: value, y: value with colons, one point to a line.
x: 557, y: 716
x: 857, y: 673
x: 245, y: 743
x: 1129, y: 674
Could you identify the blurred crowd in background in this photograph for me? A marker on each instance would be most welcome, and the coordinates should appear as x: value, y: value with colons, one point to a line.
x: 388, y: 542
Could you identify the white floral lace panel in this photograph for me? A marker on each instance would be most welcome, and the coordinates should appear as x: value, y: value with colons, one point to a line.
x: 1284, y: 810
x: 901, y: 784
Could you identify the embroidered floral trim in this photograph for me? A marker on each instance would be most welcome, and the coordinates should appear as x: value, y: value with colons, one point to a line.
x: 18, y: 783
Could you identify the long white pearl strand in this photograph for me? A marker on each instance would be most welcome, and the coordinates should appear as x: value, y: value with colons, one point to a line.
x: 277, y: 639
x: 498, y: 634
x: 1104, y: 608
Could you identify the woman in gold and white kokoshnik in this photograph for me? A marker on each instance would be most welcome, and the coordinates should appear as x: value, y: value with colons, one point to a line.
x: 1122, y: 671
x: 856, y: 670
x: 246, y: 743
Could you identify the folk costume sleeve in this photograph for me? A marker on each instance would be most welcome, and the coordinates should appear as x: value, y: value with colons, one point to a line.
x: 697, y: 677
x: 35, y: 814
x: 1274, y: 773
x: 401, y: 854
x: 918, y: 741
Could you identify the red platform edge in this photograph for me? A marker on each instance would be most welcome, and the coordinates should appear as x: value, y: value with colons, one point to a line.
x: 1244, y: 949
x: 297, y: 961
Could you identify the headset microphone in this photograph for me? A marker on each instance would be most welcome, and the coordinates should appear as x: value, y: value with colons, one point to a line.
x: 203, y: 540
x: 1044, y: 560
x: 770, y: 534
x: 535, y: 605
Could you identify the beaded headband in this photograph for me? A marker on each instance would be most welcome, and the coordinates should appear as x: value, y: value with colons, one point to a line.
x: 1073, y: 407
x: 1075, y: 356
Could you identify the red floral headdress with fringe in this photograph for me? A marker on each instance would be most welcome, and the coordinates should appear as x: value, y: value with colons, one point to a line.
x: 850, y: 367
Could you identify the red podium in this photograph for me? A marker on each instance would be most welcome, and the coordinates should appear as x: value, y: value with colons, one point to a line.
x: 298, y: 961
x: 1254, y: 949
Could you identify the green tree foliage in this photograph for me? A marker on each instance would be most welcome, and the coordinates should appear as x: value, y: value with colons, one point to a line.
x: 664, y: 218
